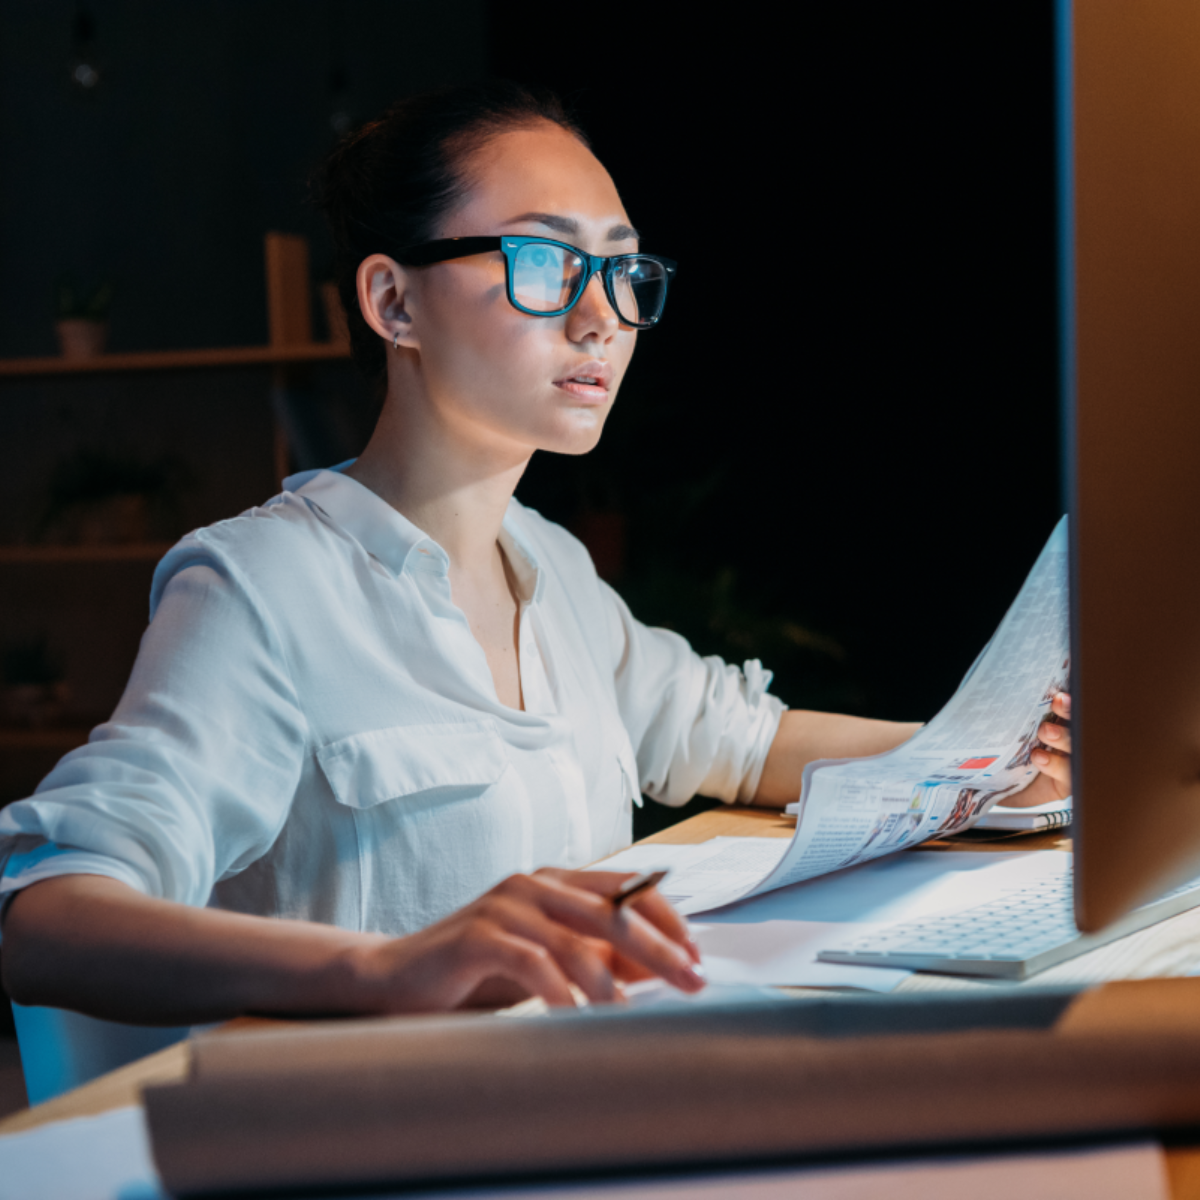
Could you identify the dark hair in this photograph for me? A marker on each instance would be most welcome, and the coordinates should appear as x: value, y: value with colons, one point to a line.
x: 388, y: 184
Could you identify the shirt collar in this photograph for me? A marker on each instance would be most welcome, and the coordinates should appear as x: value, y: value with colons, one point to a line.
x: 529, y: 577
x: 371, y: 521
x: 391, y: 537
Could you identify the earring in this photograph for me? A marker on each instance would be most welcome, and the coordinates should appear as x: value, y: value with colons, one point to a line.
x: 396, y: 340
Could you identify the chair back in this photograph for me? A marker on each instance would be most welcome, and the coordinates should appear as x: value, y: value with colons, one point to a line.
x: 61, y: 1049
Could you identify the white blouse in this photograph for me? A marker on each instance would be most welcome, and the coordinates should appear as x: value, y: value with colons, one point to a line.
x: 312, y: 731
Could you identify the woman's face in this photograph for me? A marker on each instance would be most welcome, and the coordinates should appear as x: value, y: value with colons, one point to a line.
x: 496, y: 373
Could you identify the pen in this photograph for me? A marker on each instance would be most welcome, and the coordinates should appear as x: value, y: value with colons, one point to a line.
x: 635, y: 886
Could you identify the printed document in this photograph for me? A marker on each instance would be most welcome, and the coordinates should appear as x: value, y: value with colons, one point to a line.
x: 942, y: 780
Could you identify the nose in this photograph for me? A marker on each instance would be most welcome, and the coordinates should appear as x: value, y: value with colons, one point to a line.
x: 593, y: 317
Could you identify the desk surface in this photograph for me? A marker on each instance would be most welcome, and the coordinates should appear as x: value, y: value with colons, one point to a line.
x: 1170, y: 948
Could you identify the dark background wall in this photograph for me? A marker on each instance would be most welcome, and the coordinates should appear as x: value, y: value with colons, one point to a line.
x: 197, y: 138
x: 850, y: 408
x: 160, y: 179
x: 838, y: 452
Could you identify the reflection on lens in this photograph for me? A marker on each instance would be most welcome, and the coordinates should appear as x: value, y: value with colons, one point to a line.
x: 544, y: 277
x: 639, y: 288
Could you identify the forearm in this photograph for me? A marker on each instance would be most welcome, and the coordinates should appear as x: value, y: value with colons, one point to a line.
x: 97, y: 946
x: 93, y: 944
x: 805, y: 736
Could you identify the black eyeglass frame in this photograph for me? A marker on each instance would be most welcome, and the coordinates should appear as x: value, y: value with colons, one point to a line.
x: 445, y: 249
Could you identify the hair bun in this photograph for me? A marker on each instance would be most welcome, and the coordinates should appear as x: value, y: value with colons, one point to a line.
x: 388, y: 184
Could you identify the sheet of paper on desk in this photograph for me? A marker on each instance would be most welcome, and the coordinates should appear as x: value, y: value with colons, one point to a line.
x: 701, y: 875
x: 774, y: 938
x: 108, y: 1158
x: 89, y: 1158
x: 944, y: 778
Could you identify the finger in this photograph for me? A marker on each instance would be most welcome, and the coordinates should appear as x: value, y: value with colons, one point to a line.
x: 495, y: 992
x: 531, y: 966
x: 444, y: 965
x: 634, y: 937
x: 1054, y: 765
x: 652, y: 904
x: 664, y: 916
x: 1041, y: 789
x: 1056, y: 737
x: 631, y: 934
x: 576, y: 956
x: 1061, y: 705
x: 625, y: 970
x: 588, y: 911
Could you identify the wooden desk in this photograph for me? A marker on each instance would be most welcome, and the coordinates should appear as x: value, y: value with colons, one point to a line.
x: 1171, y: 948
x: 1168, y: 949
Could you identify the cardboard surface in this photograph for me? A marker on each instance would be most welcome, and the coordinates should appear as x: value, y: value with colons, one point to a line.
x: 454, y: 1099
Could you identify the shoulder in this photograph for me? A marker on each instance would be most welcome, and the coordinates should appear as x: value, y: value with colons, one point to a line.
x: 256, y: 551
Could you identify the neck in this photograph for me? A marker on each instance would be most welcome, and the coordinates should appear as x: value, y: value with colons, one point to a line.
x: 452, y: 486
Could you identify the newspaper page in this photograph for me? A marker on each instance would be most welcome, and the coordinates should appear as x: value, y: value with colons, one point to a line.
x: 972, y: 754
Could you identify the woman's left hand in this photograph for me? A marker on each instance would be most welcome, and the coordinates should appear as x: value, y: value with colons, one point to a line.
x: 1052, y: 759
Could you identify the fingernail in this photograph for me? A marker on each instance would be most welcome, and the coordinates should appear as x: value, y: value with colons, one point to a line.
x: 695, y: 975
x: 1040, y: 756
x: 1051, y: 733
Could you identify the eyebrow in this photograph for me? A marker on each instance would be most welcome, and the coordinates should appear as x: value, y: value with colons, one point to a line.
x: 569, y: 226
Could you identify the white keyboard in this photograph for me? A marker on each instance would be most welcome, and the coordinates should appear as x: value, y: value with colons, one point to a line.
x: 1025, y: 930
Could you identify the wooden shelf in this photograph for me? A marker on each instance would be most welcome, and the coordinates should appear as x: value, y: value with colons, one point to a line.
x: 107, y: 552
x: 175, y: 360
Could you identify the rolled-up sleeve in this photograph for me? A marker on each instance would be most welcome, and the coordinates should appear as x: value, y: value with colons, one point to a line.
x: 698, y: 725
x: 192, y: 777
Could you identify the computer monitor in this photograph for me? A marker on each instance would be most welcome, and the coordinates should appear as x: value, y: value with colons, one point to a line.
x: 1129, y: 84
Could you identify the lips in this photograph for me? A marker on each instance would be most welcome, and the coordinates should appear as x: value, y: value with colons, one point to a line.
x: 587, y: 381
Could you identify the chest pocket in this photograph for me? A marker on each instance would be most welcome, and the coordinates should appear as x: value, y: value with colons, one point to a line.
x: 431, y: 761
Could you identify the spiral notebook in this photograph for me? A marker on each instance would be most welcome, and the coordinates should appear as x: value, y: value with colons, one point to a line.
x: 1055, y: 815
x: 1001, y: 819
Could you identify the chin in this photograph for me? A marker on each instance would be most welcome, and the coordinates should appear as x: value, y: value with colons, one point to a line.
x: 578, y: 434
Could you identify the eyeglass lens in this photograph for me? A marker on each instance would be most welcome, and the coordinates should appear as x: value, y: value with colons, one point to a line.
x: 640, y: 288
x: 546, y: 279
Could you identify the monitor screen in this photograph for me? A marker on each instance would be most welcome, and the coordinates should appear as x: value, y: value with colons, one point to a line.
x: 1130, y: 203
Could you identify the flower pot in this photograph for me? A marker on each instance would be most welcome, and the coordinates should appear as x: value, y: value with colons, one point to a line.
x: 79, y: 337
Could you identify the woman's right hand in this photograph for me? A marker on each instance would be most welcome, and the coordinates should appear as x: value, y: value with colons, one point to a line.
x: 100, y: 947
x: 531, y: 935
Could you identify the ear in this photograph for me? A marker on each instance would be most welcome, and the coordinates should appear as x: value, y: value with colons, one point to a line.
x: 385, y: 298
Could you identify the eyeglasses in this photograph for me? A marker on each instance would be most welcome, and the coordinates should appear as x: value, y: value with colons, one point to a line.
x: 545, y: 278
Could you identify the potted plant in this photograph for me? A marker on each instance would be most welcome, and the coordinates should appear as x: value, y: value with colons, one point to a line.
x: 103, y: 499
x: 82, y: 318
x: 34, y: 693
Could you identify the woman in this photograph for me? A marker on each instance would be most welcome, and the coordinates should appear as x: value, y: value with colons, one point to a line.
x: 361, y: 706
